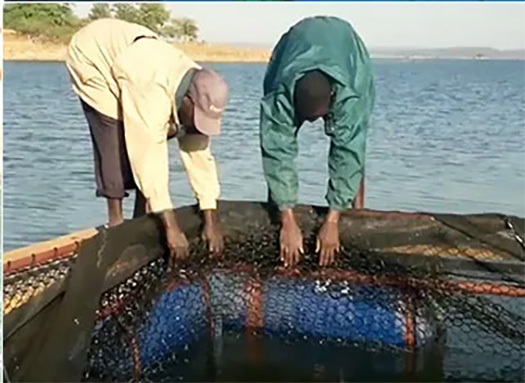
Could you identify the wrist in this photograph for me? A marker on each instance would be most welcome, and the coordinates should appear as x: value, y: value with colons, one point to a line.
x: 333, y: 216
x: 169, y: 220
x: 287, y: 217
x: 210, y: 217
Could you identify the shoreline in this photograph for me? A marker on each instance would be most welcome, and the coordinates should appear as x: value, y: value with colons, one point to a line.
x: 19, y: 47
x: 23, y: 48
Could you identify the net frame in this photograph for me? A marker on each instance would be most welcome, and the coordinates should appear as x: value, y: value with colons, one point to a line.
x: 131, y: 246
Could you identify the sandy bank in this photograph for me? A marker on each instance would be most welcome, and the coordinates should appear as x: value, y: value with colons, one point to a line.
x: 25, y: 48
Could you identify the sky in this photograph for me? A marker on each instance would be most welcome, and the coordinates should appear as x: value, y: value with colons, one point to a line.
x: 499, y: 25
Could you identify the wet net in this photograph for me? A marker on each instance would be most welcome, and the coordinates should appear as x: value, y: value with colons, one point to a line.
x: 410, y: 298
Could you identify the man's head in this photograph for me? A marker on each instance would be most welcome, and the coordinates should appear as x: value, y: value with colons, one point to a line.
x: 204, y: 103
x: 312, y: 96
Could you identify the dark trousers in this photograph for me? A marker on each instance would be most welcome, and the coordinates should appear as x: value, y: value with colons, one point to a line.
x: 113, y: 174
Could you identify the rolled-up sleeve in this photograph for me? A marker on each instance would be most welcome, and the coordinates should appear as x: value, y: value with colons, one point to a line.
x: 201, y: 169
x: 146, y: 111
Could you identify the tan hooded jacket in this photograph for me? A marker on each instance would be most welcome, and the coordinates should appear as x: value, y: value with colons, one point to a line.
x: 136, y: 82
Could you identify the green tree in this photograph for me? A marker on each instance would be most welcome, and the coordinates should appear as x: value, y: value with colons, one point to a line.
x: 100, y: 11
x: 52, y: 14
x: 157, y: 18
x: 186, y: 28
x: 153, y: 16
x: 41, y: 19
x: 126, y: 12
x: 170, y: 30
x: 59, y: 21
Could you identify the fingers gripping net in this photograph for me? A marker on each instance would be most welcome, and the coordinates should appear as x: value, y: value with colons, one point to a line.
x: 384, y: 311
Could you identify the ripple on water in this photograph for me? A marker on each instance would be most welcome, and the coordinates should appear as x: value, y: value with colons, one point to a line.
x: 445, y: 136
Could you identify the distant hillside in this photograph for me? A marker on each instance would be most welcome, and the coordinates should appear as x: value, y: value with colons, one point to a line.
x: 449, y: 53
x: 429, y: 53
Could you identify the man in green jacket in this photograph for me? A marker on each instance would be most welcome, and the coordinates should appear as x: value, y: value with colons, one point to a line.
x: 320, y: 68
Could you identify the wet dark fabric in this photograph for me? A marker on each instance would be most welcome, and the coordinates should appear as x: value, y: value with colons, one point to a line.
x: 329, y: 45
x: 113, y: 174
x: 72, y: 328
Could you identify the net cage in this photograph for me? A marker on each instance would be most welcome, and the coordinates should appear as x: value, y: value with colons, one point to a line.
x: 411, y: 297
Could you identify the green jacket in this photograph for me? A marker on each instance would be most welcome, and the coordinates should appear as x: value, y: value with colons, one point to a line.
x: 330, y: 45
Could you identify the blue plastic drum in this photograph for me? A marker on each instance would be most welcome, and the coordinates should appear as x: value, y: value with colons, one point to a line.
x: 347, y: 311
x: 176, y: 321
x: 288, y: 307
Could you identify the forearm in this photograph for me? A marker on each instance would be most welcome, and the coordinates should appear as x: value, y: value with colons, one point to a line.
x: 169, y: 219
x: 347, y: 148
x: 146, y: 109
x: 346, y: 170
x: 150, y: 167
x: 279, y: 150
x: 345, y: 167
x: 210, y: 217
x: 282, y: 181
x: 201, y: 170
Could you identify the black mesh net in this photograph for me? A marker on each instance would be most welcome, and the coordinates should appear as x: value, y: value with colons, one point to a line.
x: 424, y: 302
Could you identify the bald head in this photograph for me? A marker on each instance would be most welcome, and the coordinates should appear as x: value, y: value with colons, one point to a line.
x: 312, y: 96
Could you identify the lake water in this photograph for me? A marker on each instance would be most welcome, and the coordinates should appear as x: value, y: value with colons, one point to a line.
x: 446, y: 136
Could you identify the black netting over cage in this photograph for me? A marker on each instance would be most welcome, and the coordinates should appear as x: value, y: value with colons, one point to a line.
x: 411, y: 297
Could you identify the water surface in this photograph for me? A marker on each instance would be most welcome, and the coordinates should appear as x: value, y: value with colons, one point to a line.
x: 446, y: 136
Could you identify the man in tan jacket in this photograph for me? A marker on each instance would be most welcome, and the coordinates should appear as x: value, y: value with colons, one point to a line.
x: 138, y: 91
